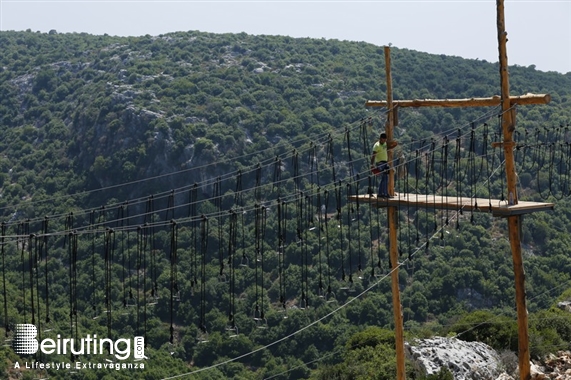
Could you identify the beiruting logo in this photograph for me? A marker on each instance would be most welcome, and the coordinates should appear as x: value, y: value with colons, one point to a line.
x: 25, y: 343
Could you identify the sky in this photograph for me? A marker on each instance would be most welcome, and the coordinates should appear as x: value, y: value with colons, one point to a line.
x: 539, y: 32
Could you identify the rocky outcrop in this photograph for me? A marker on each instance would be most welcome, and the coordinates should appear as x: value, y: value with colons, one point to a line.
x: 557, y: 367
x: 478, y: 361
x: 466, y: 360
x: 553, y: 367
x: 565, y: 305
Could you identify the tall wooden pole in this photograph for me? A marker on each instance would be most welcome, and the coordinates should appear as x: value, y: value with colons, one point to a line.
x: 514, y: 222
x: 392, y: 216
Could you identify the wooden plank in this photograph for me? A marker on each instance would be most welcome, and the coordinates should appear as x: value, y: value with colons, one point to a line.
x: 528, y: 99
x: 496, y: 206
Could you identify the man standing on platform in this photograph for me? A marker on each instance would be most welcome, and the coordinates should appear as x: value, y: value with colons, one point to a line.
x: 379, y: 161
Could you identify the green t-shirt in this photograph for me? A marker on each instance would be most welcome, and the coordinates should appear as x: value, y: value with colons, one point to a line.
x: 380, y: 152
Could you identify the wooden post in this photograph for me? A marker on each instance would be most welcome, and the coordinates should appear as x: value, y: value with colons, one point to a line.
x: 514, y: 222
x: 392, y: 217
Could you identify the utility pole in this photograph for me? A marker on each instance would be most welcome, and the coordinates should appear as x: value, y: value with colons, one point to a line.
x: 392, y: 216
x: 514, y: 222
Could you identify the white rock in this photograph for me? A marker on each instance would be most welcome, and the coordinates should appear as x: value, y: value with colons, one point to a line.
x: 466, y: 360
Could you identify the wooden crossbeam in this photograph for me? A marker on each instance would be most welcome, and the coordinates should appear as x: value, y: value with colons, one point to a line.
x: 528, y: 99
x: 497, y: 207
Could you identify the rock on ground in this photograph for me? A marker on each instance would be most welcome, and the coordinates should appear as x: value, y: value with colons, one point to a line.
x: 466, y: 360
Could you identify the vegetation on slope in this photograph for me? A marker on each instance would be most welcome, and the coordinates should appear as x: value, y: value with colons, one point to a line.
x: 96, y: 125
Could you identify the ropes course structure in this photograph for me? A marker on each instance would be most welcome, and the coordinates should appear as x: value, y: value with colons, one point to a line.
x: 457, y: 172
x: 139, y: 243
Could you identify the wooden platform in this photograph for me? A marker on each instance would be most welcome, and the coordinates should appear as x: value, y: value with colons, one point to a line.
x: 495, y: 206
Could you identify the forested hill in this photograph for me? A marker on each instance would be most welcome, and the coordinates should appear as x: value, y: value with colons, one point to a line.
x: 124, y: 109
x: 103, y: 133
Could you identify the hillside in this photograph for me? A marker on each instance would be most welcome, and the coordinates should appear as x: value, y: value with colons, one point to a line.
x: 195, y: 185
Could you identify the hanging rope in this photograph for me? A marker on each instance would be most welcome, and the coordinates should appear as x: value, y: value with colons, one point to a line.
x: 144, y: 246
x: 302, y: 238
x: 319, y: 230
x: 472, y: 172
x: 295, y: 165
x: 488, y: 168
x: 379, y: 240
x: 563, y: 163
x: 432, y: 175
x: 459, y: 177
x: 329, y: 293
x: 429, y: 166
x: 285, y: 244
x: 31, y: 267
x: 349, y: 158
x: 260, y: 227
x: 120, y: 224
x: 194, y: 238
x: 445, y: 180
x: 93, y: 277
x: 232, y: 236
x: 552, y: 158
x: 493, y: 165
x: 339, y: 218
x: 408, y: 208
x: 364, y: 134
x: 123, y: 255
x: 169, y: 210
x: 95, y: 227
x: 170, y: 207
x: 526, y: 153
x: 22, y: 232
x: 217, y: 195
x: 73, y: 287
x: 304, y: 223
x: 109, y: 246
x: 567, y: 168
x: 131, y: 299
x: 502, y: 153
x: 6, y: 320
x: 257, y: 247
x: 349, y: 237
x: 138, y: 270
x: 372, y: 239
x: 537, y: 158
x: 263, y: 238
x: 150, y: 243
x: 331, y: 157
x: 358, y: 217
x: 313, y: 164
x: 533, y: 152
x: 174, y: 290
x: 402, y: 175
x: 277, y: 175
x: 203, y: 250
x: 417, y: 164
x: 257, y: 191
x: 36, y: 274
x: 239, y: 204
x: 281, y: 215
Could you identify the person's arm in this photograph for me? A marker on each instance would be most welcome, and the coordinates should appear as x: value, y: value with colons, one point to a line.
x: 392, y: 144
